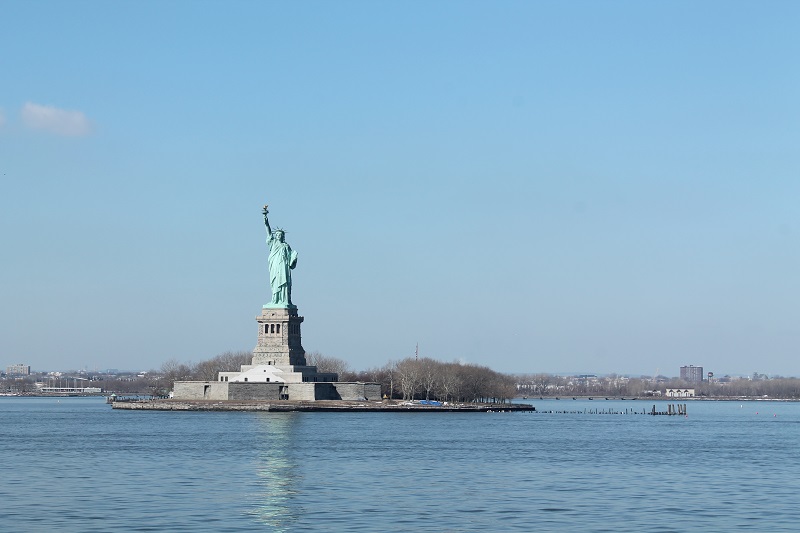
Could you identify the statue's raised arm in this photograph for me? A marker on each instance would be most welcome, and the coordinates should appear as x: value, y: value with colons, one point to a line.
x: 266, y: 220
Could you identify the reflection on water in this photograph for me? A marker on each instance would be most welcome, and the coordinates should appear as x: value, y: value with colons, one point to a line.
x: 277, y: 503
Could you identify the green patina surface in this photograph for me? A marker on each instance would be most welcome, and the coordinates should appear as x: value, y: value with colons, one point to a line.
x: 282, y: 260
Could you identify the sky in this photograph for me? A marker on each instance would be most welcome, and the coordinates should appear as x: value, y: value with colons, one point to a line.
x: 577, y: 186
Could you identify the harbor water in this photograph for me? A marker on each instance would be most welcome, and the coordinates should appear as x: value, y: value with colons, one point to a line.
x: 74, y: 464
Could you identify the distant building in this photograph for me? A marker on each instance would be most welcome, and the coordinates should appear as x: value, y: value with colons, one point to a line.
x: 692, y: 374
x: 18, y: 370
x: 679, y: 393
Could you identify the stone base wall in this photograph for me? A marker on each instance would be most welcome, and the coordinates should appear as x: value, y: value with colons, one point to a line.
x: 358, y: 391
x: 334, y: 391
x: 373, y: 391
x: 254, y: 391
x: 313, y: 391
x: 303, y: 392
x: 201, y: 390
x: 236, y: 390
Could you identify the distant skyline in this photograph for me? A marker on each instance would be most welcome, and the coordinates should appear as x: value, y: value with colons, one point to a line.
x: 663, y: 373
x: 531, y: 186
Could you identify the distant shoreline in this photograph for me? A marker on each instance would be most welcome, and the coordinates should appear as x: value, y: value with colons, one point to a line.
x: 662, y: 398
x: 145, y: 397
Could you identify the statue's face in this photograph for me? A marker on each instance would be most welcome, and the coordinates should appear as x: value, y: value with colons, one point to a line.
x: 279, y: 235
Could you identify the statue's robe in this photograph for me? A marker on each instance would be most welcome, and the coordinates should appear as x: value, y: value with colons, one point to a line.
x: 282, y: 259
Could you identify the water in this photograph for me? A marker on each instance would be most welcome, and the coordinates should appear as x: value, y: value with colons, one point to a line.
x: 75, y: 465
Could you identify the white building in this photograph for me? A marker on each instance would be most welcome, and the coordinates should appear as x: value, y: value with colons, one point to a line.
x: 679, y: 393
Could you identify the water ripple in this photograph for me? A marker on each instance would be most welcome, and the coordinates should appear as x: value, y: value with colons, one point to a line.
x: 78, y: 466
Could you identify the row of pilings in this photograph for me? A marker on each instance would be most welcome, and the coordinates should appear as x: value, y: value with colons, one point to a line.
x: 672, y: 410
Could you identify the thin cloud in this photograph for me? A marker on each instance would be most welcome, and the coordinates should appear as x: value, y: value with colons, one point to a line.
x: 54, y: 120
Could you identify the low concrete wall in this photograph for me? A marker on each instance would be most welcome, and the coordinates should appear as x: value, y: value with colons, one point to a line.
x: 356, y: 391
x: 254, y: 391
x: 201, y: 390
x: 372, y: 391
x: 327, y: 391
x: 309, y: 391
x: 301, y: 392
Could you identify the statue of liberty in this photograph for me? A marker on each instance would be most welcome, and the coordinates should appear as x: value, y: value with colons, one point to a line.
x: 282, y: 259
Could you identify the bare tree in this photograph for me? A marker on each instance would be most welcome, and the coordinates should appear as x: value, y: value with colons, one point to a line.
x: 408, y: 374
x: 450, y: 381
x: 474, y: 379
x: 326, y: 363
x: 429, y: 375
x: 390, y: 371
x: 172, y: 371
x: 225, y: 362
x: 540, y: 383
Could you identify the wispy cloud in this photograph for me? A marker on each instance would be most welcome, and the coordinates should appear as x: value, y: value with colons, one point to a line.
x: 54, y: 120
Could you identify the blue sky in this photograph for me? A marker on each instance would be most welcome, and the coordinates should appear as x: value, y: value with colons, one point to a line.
x: 533, y: 186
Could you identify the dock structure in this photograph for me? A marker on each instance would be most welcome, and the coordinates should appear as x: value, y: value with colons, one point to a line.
x: 337, y: 406
x: 343, y: 406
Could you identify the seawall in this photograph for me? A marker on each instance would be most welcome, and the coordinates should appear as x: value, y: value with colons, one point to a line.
x: 330, y: 406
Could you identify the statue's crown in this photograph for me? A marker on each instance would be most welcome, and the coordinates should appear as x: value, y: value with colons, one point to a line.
x: 279, y: 229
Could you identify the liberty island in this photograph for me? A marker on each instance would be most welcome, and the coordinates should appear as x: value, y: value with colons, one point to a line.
x: 278, y: 377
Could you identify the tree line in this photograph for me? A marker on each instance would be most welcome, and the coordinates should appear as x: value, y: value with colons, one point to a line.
x: 408, y: 379
x: 208, y: 370
x: 549, y: 385
x: 427, y: 379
